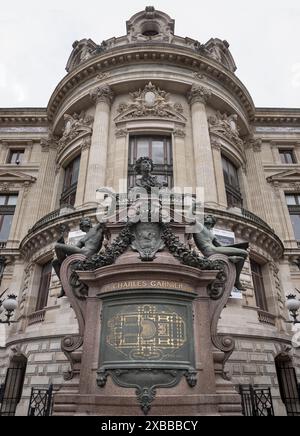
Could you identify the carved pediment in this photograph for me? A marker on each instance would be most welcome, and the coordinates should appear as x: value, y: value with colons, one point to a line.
x: 151, y: 102
x: 75, y: 125
x: 225, y: 126
x: 16, y: 177
x: 291, y: 177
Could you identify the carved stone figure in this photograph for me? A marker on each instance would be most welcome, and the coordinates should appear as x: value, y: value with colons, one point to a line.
x: 147, y: 240
x: 226, y: 125
x: 208, y: 244
x: 144, y: 167
x: 89, y: 245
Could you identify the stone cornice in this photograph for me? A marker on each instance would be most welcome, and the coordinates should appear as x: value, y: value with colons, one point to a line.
x: 166, y: 53
x: 24, y: 116
x: 278, y: 117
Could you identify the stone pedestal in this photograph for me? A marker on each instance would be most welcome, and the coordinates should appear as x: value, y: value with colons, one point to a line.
x: 148, y: 340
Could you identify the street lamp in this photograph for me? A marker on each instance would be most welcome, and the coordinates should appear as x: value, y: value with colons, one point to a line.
x: 293, y: 306
x: 9, y: 304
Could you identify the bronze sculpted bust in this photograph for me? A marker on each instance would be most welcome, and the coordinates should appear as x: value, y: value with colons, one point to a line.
x: 208, y: 244
x: 144, y: 166
x: 89, y: 245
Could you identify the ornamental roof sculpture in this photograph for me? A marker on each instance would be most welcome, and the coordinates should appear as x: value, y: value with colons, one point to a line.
x: 151, y: 27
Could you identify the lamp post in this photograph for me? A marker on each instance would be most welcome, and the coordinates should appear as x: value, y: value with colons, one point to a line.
x: 9, y: 305
x: 293, y: 306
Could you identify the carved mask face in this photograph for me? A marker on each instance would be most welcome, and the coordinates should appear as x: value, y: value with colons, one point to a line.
x: 85, y: 226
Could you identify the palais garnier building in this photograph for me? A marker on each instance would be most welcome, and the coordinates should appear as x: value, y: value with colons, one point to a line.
x: 147, y: 324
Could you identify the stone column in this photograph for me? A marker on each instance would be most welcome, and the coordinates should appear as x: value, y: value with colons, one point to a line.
x: 179, y: 161
x: 120, y: 161
x: 46, y: 176
x: 96, y: 174
x: 258, y: 187
x: 58, y: 187
x: 83, y: 171
x: 219, y: 176
x: 204, y: 166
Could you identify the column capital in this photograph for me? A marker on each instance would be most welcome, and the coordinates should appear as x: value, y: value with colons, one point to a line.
x: 198, y: 94
x: 102, y: 94
x: 179, y: 133
x: 254, y: 144
x: 216, y: 144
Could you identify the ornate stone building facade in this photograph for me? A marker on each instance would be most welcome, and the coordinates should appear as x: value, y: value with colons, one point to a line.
x: 180, y: 102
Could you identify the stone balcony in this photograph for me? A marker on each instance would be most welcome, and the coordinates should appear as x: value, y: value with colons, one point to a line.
x: 246, y: 226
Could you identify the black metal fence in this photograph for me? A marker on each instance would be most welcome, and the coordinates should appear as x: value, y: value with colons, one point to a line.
x: 40, y: 403
x: 256, y: 401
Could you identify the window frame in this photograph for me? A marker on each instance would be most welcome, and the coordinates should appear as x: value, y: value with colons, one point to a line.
x: 68, y: 195
x: 161, y: 169
x: 7, y: 210
x: 44, y: 286
x: 12, y: 151
x: 233, y: 191
x: 260, y: 290
x: 294, y: 209
x: 287, y: 151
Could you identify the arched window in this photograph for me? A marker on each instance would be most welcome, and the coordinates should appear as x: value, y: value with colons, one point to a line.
x: 70, y: 182
x: 159, y: 149
x: 232, y: 186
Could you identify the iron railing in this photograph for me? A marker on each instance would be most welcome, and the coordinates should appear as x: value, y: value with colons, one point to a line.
x: 256, y: 401
x: 40, y: 403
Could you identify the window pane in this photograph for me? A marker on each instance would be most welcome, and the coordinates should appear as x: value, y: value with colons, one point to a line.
x: 287, y: 156
x: 75, y: 171
x: 12, y: 200
x: 3, y: 199
x: 296, y: 225
x: 16, y: 156
x: 5, y: 225
x: 158, y: 152
x: 290, y: 200
x: 258, y: 284
x: 44, y: 286
x: 142, y: 148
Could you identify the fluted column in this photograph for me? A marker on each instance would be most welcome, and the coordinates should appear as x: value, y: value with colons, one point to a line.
x: 180, y: 179
x: 83, y: 171
x: 204, y: 166
x: 219, y: 176
x: 96, y: 174
x: 258, y: 187
x: 120, y: 161
x: 46, y: 175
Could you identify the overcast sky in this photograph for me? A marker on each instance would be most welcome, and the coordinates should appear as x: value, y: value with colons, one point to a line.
x: 36, y: 40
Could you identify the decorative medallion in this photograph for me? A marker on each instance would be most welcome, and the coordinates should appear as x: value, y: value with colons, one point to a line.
x: 147, y: 240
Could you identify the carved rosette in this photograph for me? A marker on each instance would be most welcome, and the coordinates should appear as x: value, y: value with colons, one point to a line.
x: 102, y: 94
x: 198, y: 94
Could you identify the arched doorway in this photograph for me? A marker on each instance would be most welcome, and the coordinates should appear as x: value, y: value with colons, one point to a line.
x: 288, y: 384
x: 13, y: 385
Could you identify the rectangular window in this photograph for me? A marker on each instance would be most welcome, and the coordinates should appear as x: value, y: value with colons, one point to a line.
x: 7, y: 210
x: 157, y: 148
x: 258, y: 283
x: 293, y: 203
x: 232, y: 187
x: 70, y: 182
x: 16, y: 156
x: 287, y: 156
x: 44, y: 286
